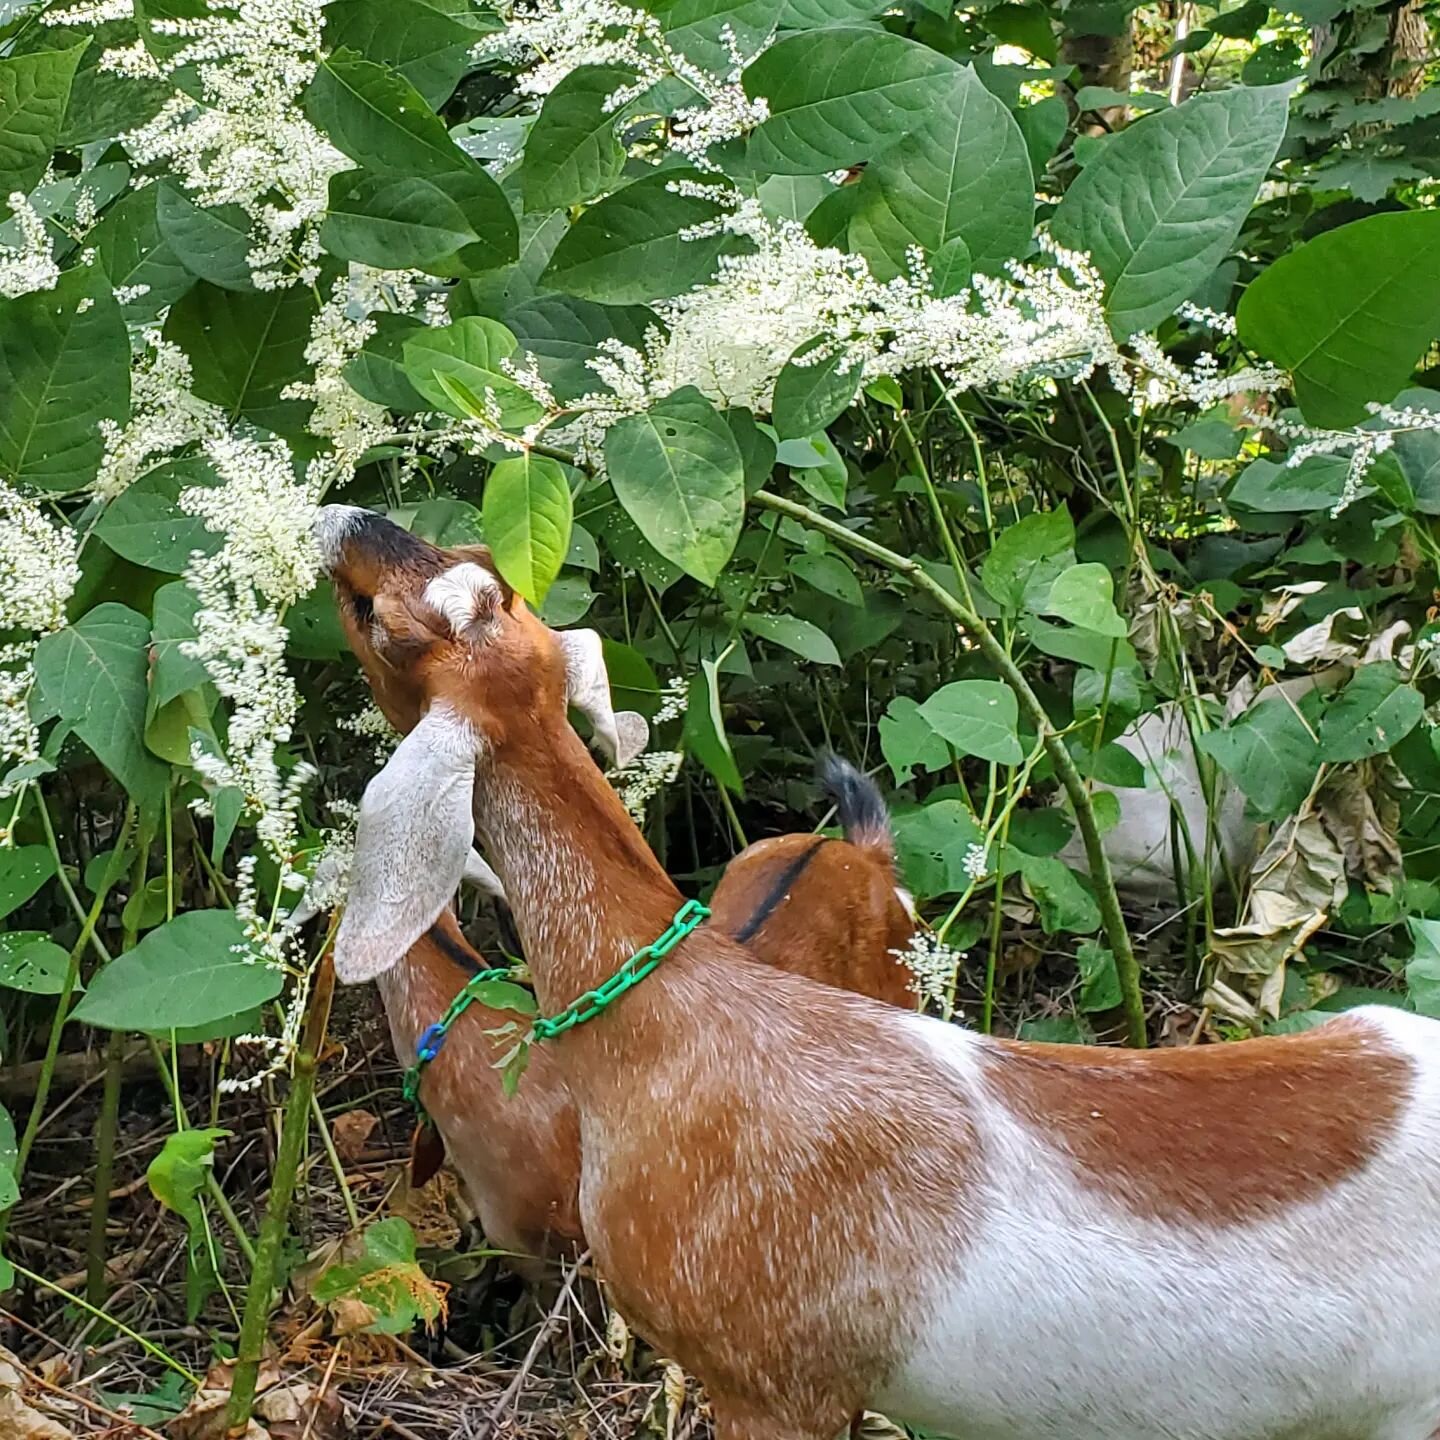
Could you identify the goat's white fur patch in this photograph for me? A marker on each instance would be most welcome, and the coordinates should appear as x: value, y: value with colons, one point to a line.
x: 587, y: 689
x: 467, y: 595
x: 331, y: 527
x: 412, y: 842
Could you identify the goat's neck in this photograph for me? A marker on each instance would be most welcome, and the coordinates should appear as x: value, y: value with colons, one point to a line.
x: 584, y: 887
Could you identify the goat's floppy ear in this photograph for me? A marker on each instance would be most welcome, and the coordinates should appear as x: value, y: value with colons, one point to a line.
x: 587, y: 688
x: 469, y: 597
x: 482, y: 877
x: 414, y: 834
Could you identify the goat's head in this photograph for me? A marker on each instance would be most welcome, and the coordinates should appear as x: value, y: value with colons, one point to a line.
x: 461, y: 666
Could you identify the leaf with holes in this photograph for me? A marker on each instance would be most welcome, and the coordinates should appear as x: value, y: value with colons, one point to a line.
x: 92, y: 674
x: 909, y: 742
x: 194, y: 970
x: 1349, y: 313
x: 527, y: 516
x: 678, y: 472
x: 1373, y: 713
x: 977, y: 717
x: 32, y: 962
x: 839, y: 95
x: 1161, y: 204
x: 64, y: 367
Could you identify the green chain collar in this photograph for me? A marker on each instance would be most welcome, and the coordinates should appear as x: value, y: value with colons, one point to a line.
x: 689, y: 917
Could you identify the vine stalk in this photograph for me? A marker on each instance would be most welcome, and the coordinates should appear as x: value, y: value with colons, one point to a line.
x: 1126, y: 966
x: 261, y: 1292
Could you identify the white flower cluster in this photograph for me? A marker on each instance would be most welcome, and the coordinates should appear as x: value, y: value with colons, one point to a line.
x: 341, y: 327
x: 976, y: 863
x: 247, y: 142
x: 644, y: 778
x: 731, y: 337
x: 933, y: 964
x: 1364, y: 444
x: 369, y: 723
x: 165, y: 416
x: 39, y: 570
x: 546, y: 40
x: 675, y: 701
x: 29, y: 266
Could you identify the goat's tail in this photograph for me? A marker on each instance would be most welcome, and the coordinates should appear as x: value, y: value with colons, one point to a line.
x: 859, y: 806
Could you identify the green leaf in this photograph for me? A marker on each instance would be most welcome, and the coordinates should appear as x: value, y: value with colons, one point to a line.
x: 1422, y: 974
x: 32, y: 963
x: 678, y: 472
x: 173, y: 673
x: 931, y: 843
x: 377, y: 373
x: 1375, y: 711
x: 64, y: 367
x: 176, y: 1176
x: 830, y: 575
x: 704, y: 733
x: 1163, y: 202
x: 628, y: 248
x: 468, y: 351
x: 908, y: 742
x: 245, y: 349
x: 977, y: 717
x: 1028, y: 557
x: 134, y: 253
x: 9, y: 1190
x: 811, y: 393
x: 1085, y: 596
x: 1317, y: 483
x: 23, y: 870
x: 572, y: 153
x: 1418, y: 451
x: 430, y: 48
x: 838, y: 95
x: 457, y: 222
x: 1269, y: 754
x: 34, y: 90
x: 194, y: 970
x: 757, y: 449
x: 92, y: 675
x: 1099, y: 979
x: 1064, y: 903
x: 146, y: 525
x: 212, y: 244
x: 817, y: 468
x: 563, y: 333
x: 963, y: 174
x: 385, y: 1279
x: 377, y: 117
x: 1349, y: 313
x: 799, y: 636
x: 527, y: 515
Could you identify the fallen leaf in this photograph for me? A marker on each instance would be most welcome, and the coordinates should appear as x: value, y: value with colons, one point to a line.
x: 351, y: 1132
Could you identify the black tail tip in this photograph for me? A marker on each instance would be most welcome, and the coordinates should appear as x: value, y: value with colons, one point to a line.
x: 859, y: 805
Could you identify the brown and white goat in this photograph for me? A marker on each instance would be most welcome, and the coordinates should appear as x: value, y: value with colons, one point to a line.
x: 828, y: 909
x: 816, y: 1203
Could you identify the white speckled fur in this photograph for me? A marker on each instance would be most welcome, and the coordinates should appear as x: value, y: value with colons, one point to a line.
x: 467, y: 596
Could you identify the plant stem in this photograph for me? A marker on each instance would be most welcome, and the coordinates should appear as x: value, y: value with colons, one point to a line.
x: 109, y: 1121
x: 1100, y: 875
x: 260, y: 1295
